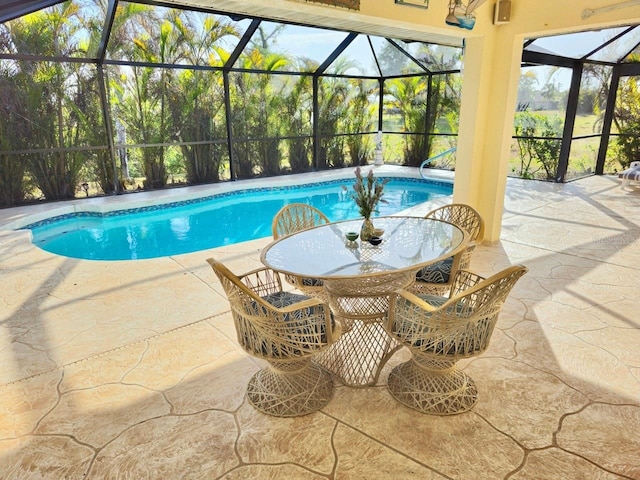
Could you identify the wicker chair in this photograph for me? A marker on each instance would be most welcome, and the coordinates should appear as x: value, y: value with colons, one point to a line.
x: 441, y: 330
x: 293, y: 218
x: 286, y: 330
x: 437, y: 279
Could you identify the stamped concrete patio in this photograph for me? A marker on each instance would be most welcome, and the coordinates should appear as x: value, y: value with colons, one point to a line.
x: 132, y: 369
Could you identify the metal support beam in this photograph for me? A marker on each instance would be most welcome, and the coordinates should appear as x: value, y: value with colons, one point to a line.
x: 538, y: 58
x: 17, y: 8
x: 408, y: 55
x: 336, y: 52
x: 314, y: 126
x: 104, y: 102
x: 106, y: 31
x: 227, y: 107
x: 380, y: 102
x: 375, y: 57
x: 569, y: 122
x: 608, y: 120
x: 244, y: 41
x: 428, y: 114
x: 316, y: 90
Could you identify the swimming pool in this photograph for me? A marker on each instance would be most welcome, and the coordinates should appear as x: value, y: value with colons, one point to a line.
x: 212, y: 221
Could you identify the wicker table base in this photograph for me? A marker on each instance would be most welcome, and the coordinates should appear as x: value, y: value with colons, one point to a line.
x: 361, y: 305
x: 358, y: 356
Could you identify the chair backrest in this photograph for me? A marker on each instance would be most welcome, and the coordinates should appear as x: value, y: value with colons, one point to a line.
x: 295, y: 217
x: 473, y: 295
x: 463, y: 216
x: 254, y: 284
x: 461, y: 326
x: 267, y: 331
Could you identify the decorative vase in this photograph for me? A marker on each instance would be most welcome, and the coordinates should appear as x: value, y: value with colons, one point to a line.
x: 366, y: 231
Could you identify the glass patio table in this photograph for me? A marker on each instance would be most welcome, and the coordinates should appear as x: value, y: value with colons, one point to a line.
x: 358, y: 277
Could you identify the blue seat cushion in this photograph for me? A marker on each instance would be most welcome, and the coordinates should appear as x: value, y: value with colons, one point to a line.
x: 420, y: 334
x: 311, y: 282
x: 297, y: 321
x: 439, y: 272
x: 284, y: 299
x: 631, y: 173
x: 433, y: 300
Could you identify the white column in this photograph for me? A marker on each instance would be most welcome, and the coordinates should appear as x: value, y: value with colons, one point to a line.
x: 489, y: 91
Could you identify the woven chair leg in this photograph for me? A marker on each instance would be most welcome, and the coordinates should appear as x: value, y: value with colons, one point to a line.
x: 293, y: 393
x: 440, y: 389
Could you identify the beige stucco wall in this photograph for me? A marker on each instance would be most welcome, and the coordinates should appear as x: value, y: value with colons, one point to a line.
x: 491, y: 68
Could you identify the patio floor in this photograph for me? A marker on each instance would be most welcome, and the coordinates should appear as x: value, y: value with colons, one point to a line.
x: 132, y: 369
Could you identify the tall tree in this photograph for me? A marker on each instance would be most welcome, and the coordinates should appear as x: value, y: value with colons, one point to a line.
x: 256, y: 108
x: 55, y: 96
x: 420, y: 108
x: 145, y: 108
x: 196, y: 98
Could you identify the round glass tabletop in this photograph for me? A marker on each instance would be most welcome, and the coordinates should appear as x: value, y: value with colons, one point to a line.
x: 324, y: 251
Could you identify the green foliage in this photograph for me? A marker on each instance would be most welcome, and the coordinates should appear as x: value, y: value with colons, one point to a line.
x: 391, y: 60
x: 333, y: 96
x: 360, y: 119
x: 298, y: 106
x: 147, y: 112
x: 14, y: 132
x: 94, y: 165
x: 627, y: 121
x: 409, y: 97
x: 55, y: 108
x: 196, y: 102
x: 141, y: 112
x: 258, y: 109
x: 424, y: 111
x: 598, y: 79
x: 54, y: 103
x: 538, y: 144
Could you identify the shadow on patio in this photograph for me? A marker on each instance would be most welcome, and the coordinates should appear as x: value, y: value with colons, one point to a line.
x: 558, y: 388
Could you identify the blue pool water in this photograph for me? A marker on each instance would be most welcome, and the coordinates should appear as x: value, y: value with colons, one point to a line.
x: 214, y: 221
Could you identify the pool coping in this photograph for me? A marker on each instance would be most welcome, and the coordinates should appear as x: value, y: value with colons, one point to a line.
x: 14, y: 220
